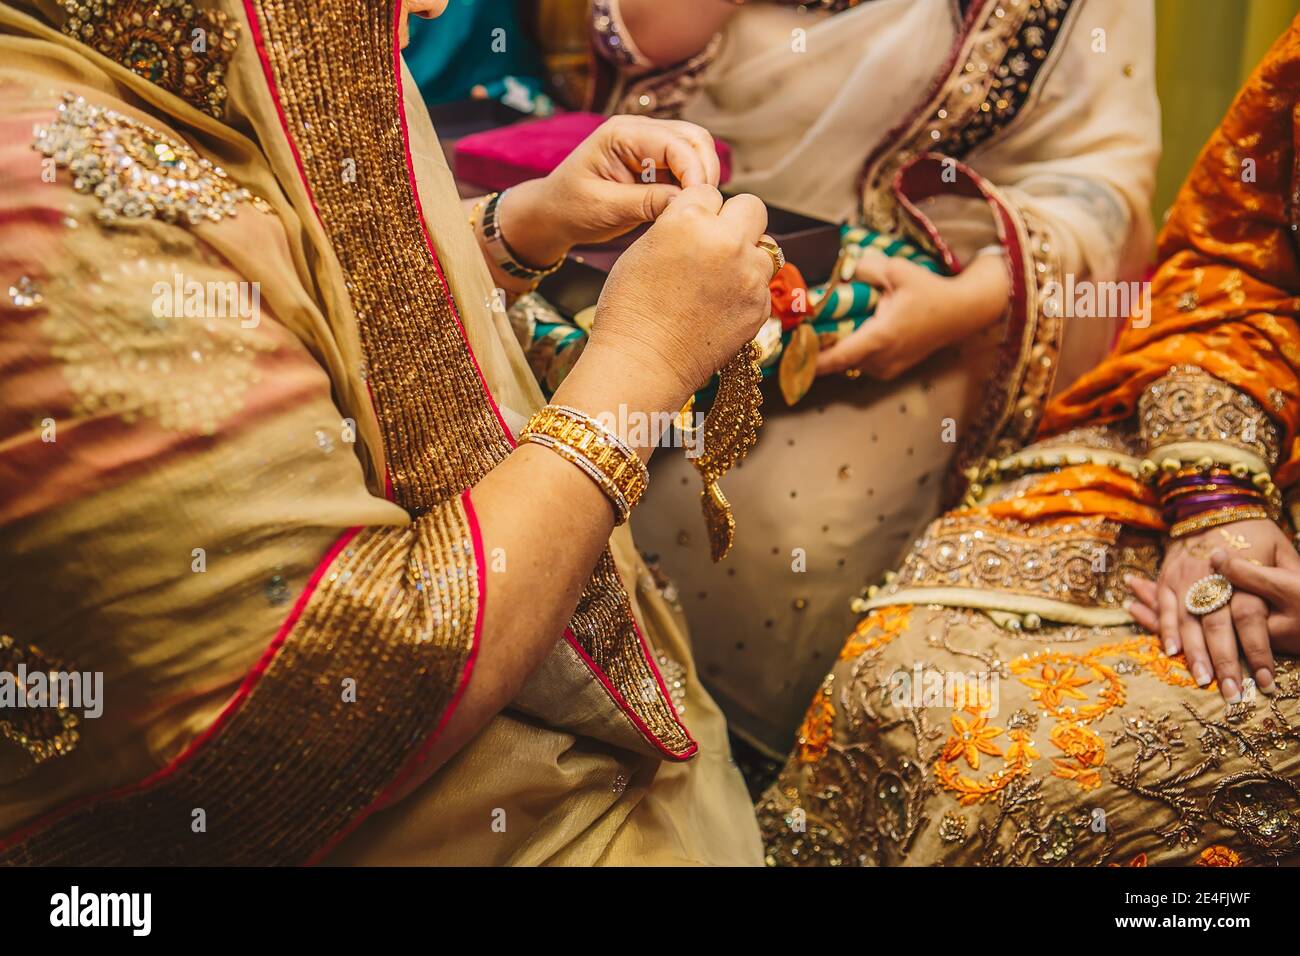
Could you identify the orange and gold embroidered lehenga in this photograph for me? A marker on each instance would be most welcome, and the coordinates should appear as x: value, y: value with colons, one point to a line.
x: 1073, y: 738
x: 250, y: 368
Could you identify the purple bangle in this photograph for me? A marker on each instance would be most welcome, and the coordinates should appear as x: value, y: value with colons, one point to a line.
x: 1230, y: 481
x: 1195, y: 504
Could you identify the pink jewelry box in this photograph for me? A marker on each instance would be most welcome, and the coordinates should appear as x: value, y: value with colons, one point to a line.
x: 500, y: 158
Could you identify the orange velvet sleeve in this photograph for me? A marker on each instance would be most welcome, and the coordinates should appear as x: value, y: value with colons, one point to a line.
x: 1224, y: 297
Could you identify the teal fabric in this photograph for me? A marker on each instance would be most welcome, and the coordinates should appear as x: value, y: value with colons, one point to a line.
x: 849, y: 304
x: 451, y: 55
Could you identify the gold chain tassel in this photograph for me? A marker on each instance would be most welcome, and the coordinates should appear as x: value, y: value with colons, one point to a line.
x: 730, y: 431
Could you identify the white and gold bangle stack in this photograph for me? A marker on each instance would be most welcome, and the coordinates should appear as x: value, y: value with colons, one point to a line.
x: 604, y: 457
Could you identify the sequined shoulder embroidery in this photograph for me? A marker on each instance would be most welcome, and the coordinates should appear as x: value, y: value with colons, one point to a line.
x: 136, y: 171
x: 171, y: 43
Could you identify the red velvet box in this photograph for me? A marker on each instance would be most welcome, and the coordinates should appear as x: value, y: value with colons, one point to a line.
x: 500, y: 158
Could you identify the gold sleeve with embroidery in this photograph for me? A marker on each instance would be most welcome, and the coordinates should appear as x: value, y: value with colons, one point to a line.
x: 351, y: 694
x: 1191, y: 407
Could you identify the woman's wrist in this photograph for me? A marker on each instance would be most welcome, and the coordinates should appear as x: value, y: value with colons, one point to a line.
x: 983, y: 292
x: 623, y: 394
x: 533, y: 231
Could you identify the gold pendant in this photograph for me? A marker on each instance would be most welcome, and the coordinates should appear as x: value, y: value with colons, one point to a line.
x: 730, y: 431
x: 799, y: 364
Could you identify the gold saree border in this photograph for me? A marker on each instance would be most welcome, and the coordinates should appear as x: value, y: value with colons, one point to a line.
x: 335, y: 75
x: 292, y: 765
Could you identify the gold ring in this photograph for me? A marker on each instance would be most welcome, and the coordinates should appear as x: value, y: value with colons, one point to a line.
x: 769, y: 245
x: 1208, y: 595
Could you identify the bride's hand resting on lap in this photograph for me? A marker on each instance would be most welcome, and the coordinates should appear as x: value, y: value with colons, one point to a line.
x: 1262, y: 616
x: 919, y: 313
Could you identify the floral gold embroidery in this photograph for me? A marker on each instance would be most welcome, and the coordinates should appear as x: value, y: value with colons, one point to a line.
x: 897, y: 784
x: 1079, y: 561
x: 171, y: 43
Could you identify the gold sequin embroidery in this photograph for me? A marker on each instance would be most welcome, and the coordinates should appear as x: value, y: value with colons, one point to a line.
x: 124, y: 356
x: 440, y: 432
x: 1190, y: 405
x: 171, y: 43
x: 395, y: 613
x: 1080, y: 561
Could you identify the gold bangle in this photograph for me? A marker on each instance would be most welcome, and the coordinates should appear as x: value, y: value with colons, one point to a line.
x: 1212, y: 519
x: 603, y: 457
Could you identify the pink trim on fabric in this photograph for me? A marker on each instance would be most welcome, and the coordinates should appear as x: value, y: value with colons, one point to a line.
x: 245, y: 689
x: 922, y: 179
x: 627, y: 708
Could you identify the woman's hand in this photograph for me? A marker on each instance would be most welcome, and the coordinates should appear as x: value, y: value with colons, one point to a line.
x: 619, y: 177
x: 918, y: 314
x: 1279, y: 586
x: 678, y: 304
x: 1213, y: 644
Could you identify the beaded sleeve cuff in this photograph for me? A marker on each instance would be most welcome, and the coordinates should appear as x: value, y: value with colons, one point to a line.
x: 1211, y: 448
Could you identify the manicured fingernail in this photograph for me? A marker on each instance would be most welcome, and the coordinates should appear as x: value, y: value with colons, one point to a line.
x: 1202, y: 673
x: 1264, y: 681
x: 1231, y: 692
x: 1218, y: 556
x: 1128, y: 605
x: 1171, y: 649
x: 1128, y: 579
